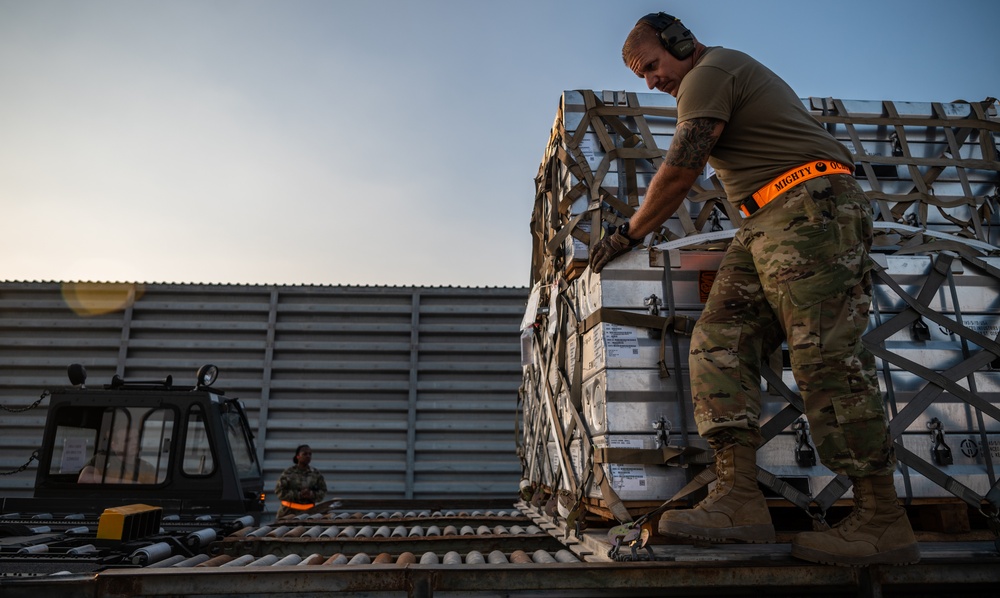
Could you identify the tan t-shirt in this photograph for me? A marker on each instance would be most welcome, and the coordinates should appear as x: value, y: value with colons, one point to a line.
x: 768, y: 130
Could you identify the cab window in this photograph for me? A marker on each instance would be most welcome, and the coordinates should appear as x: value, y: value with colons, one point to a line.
x: 104, y: 445
x: 239, y: 439
x: 198, y: 460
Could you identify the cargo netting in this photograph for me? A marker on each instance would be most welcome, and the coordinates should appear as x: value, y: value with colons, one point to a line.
x: 605, y: 422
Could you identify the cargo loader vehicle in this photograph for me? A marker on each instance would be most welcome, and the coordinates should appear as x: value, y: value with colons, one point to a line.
x: 131, y: 469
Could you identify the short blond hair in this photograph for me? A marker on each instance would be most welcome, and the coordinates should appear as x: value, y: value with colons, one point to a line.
x: 643, y: 33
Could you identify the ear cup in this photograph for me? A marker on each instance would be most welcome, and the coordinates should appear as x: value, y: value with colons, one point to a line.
x: 678, y: 41
x: 675, y: 37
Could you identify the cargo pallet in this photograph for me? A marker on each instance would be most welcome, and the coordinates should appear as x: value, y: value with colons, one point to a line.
x: 606, y: 424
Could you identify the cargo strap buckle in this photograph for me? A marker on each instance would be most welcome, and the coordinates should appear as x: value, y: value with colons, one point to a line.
x: 805, y: 455
x: 941, y: 452
x: 992, y: 516
x: 631, y: 535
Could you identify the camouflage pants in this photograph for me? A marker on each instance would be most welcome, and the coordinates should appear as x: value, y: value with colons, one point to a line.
x: 797, y: 271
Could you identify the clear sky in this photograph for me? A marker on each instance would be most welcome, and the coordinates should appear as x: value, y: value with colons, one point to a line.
x: 377, y: 142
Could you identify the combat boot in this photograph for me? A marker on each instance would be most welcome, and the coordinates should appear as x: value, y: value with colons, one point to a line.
x: 735, y: 508
x: 876, y: 532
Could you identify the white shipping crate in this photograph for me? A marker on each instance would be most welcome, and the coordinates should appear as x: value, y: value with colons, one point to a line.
x: 631, y: 482
x: 631, y: 401
x: 618, y: 347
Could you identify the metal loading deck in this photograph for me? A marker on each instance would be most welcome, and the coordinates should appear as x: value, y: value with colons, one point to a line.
x: 521, y: 551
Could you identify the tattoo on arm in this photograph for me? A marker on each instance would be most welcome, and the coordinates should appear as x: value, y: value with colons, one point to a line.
x: 693, y: 142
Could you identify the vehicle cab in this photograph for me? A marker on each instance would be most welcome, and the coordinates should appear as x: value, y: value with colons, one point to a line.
x: 188, y: 450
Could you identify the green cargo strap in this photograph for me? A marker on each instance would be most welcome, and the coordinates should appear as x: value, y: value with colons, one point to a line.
x: 935, y: 279
x: 676, y: 323
x: 704, y: 478
x: 707, y: 476
x: 834, y: 490
x: 678, y: 455
x: 938, y: 476
x: 615, y: 504
x: 566, y: 230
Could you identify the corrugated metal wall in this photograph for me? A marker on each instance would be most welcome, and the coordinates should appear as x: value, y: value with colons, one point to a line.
x: 403, y: 392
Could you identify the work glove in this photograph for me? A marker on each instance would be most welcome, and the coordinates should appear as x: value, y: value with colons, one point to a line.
x: 610, y: 247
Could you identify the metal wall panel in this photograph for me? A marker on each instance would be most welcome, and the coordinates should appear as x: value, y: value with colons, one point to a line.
x: 403, y: 392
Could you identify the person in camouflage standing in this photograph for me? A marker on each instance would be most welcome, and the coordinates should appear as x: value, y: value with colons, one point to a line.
x: 300, y: 486
x: 797, y: 270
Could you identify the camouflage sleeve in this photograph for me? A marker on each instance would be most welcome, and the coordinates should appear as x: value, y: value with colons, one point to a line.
x: 319, y: 488
x: 285, y: 488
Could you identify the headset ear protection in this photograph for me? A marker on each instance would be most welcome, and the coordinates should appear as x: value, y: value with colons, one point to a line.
x: 675, y: 37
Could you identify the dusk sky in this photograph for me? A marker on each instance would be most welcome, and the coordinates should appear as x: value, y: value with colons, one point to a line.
x: 379, y: 142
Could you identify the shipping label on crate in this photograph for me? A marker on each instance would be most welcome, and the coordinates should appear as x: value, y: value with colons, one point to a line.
x: 627, y: 478
x: 590, y: 147
x: 576, y: 458
x: 553, y: 310
x: 626, y: 442
x: 572, y: 346
x: 557, y: 466
x: 527, y: 354
x: 988, y: 326
x: 608, y: 342
x: 974, y: 448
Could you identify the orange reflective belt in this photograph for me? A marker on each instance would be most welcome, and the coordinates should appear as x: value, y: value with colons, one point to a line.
x: 787, y: 180
x: 297, y: 506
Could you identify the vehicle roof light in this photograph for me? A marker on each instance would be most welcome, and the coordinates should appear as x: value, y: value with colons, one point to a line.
x: 207, y: 375
x: 77, y: 374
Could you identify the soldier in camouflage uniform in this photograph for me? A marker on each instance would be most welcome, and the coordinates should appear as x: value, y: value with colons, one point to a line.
x: 300, y: 486
x: 797, y: 271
